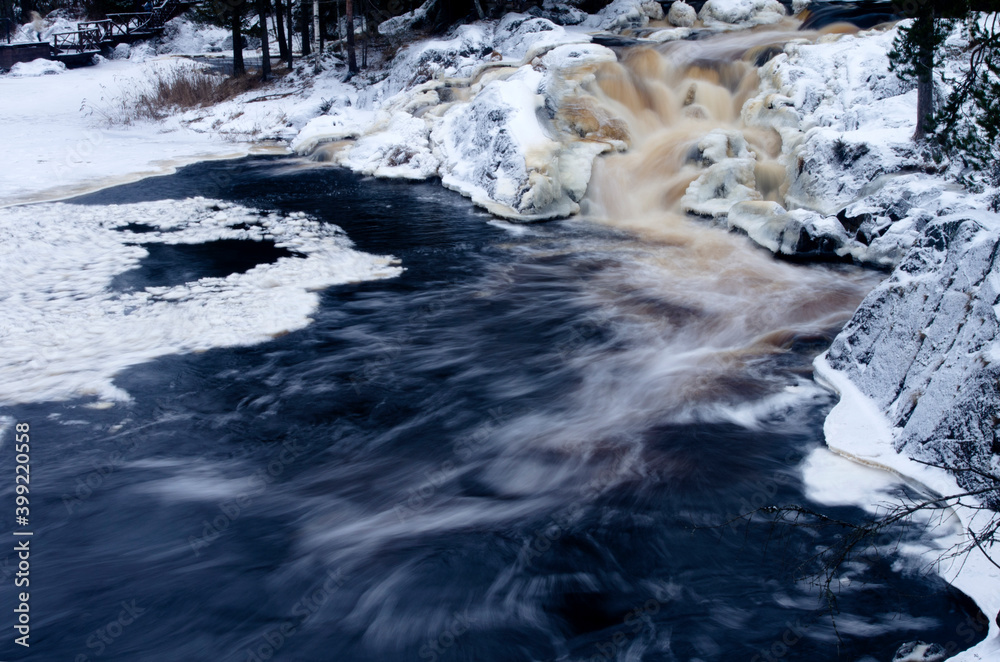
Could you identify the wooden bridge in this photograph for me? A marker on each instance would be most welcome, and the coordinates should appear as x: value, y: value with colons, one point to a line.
x: 92, y: 37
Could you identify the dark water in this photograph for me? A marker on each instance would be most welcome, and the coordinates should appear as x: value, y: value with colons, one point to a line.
x: 466, y: 462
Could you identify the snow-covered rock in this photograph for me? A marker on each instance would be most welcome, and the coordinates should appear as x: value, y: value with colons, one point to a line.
x: 923, y: 346
x: 728, y: 179
x: 397, y: 25
x: 39, y: 67
x: 846, y: 123
x: 495, y: 150
x: 799, y: 232
x: 559, y: 13
x: 498, y: 111
x: 744, y: 13
x: 183, y: 36
x: 681, y: 14
x: 624, y: 14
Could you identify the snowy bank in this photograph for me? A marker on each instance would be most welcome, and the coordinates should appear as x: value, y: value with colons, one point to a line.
x: 846, y: 124
x: 482, y: 110
x: 919, y: 379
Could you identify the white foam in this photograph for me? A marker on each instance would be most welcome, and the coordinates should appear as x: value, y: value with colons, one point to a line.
x: 65, y: 333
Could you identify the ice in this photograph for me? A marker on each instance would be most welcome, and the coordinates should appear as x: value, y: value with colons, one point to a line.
x: 66, y: 334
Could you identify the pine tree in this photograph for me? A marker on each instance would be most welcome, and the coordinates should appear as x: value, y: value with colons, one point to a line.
x: 915, y: 56
x: 966, y: 127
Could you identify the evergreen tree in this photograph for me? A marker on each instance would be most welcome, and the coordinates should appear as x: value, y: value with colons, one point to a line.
x: 966, y: 127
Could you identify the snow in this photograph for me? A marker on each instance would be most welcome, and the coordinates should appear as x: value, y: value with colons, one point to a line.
x: 744, y: 13
x: 624, y: 14
x: 183, y: 36
x: 681, y: 14
x: 53, y: 148
x: 59, y: 141
x: 65, y: 333
x: 37, y: 67
x: 856, y: 429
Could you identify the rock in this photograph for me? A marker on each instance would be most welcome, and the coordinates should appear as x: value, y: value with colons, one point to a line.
x: 652, y: 9
x: 559, y: 13
x: 728, y: 179
x: 682, y: 15
x: 623, y: 15
x: 800, y: 232
x: 744, y: 13
x: 398, y: 25
x: 918, y: 651
x: 923, y: 346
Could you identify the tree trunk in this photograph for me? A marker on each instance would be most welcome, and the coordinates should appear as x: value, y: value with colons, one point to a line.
x: 924, y: 29
x: 352, y: 60
x: 315, y: 27
x: 304, y: 26
x: 291, y: 33
x: 265, y: 47
x: 236, y: 21
x: 8, y: 25
x: 279, y: 24
x: 321, y: 32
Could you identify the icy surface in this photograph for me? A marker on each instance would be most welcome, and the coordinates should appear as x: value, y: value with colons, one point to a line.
x: 66, y: 333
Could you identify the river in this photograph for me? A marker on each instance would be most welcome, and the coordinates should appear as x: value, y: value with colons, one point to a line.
x: 530, y: 445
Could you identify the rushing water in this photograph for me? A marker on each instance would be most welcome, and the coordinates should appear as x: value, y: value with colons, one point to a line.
x: 525, y: 447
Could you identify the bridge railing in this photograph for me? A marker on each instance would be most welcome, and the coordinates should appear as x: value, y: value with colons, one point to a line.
x: 81, y: 41
x: 103, y: 28
x: 124, y: 25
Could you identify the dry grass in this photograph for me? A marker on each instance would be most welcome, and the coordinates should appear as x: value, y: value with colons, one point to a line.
x: 168, y: 91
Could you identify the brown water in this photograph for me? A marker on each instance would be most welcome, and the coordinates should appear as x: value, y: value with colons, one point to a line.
x: 678, y: 106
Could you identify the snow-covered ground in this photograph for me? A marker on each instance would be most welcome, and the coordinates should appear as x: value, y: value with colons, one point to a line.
x: 61, y: 136
x: 55, y: 146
